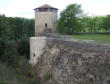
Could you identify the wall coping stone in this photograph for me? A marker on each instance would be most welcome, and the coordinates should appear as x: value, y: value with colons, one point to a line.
x: 85, y: 46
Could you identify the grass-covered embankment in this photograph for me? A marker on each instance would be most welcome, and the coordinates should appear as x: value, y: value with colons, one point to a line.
x: 98, y: 38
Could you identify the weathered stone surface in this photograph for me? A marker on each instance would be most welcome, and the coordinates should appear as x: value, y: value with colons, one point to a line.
x: 70, y: 62
x: 36, y: 48
x: 45, y: 17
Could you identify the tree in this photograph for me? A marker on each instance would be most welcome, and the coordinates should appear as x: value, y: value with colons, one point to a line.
x: 91, y: 24
x: 23, y: 47
x: 21, y: 27
x: 69, y: 19
x: 11, y: 55
x: 106, y: 23
x: 15, y: 31
x: 4, y: 27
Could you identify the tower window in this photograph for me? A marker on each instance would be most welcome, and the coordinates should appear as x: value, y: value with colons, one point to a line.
x: 34, y: 54
x: 54, y: 22
x: 45, y: 25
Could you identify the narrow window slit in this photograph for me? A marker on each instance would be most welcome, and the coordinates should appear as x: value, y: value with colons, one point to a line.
x: 34, y: 54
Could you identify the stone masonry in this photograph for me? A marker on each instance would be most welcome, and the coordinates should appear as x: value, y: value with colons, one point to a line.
x: 65, y: 61
x: 45, y: 19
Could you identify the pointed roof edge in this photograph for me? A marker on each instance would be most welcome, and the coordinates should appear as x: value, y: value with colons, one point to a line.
x: 45, y: 6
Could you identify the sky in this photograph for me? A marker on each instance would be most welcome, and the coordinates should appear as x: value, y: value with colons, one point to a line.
x: 24, y: 8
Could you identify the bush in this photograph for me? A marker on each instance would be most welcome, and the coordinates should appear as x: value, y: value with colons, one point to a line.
x: 23, y: 47
x: 11, y: 55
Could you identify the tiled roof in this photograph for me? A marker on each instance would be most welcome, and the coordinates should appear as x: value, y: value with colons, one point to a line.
x: 45, y: 6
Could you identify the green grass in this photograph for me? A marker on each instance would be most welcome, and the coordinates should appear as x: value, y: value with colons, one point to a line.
x: 98, y: 38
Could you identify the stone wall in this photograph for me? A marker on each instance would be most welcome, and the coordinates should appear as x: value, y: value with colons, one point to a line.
x: 68, y: 61
x: 36, y: 48
x: 42, y: 18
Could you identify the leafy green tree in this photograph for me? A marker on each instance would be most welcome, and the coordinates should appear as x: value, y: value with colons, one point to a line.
x: 21, y: 27
x: 91, y: 24
x: 84, y: 24
x: 11, y: 55
x: 15, y: 31
x: 23, y: 47
x: 69, y: 19
x: 5, y: 27
x: 106, y: 23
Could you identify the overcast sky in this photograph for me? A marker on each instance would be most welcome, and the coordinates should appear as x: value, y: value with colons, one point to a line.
x: 24, y: 8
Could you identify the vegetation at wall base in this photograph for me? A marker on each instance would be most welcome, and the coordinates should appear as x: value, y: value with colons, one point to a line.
x: 21, y: 74
x: 14, y: 50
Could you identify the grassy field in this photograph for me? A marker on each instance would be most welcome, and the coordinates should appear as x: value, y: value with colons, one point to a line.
x: 98, y: 38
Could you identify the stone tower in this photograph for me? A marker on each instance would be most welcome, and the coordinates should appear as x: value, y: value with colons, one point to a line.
x: 45, y: 19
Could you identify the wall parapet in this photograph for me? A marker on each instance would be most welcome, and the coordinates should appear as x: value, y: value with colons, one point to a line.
x: 84, y: 46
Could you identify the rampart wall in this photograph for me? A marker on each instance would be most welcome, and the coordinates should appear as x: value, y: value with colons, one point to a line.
x: 68, y: 61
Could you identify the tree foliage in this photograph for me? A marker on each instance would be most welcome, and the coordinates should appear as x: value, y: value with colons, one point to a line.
x: 106, y: 23
x: 91, y: 24
x: 14, y: 50
x: 72, y: 20
x: 15, y: 31
x: 21, y: 27
x: 69, y: 19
